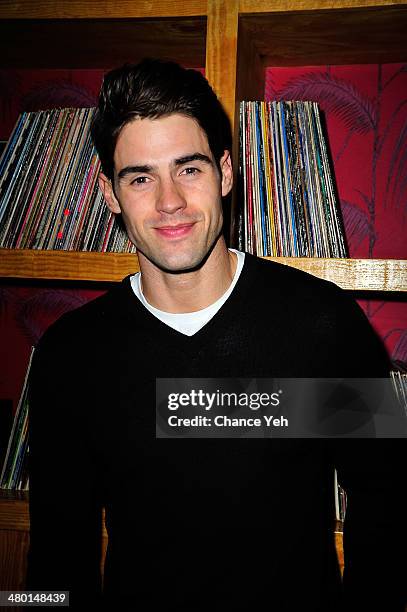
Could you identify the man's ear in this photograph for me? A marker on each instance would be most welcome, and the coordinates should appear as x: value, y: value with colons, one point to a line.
x: 227, y: 173
x: 106, y: 188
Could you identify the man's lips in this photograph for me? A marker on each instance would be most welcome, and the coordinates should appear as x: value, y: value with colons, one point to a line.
x: 175, y: 231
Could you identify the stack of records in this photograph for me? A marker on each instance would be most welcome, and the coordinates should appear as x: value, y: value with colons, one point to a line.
x: 14, y: 474
x: 399, y: 380
x: 340, y: 501
x: 287, y: 200
x: 49, y: 196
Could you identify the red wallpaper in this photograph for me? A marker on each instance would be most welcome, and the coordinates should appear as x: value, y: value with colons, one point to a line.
x: 365, y: 109
x: 27, y: 310
x: 31, y: 90
x: 25, y: 313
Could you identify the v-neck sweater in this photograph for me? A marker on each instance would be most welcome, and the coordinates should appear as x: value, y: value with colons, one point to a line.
x: 188, y: 323
x: 206, y: 524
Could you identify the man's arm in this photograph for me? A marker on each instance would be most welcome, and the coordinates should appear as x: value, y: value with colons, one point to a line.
x: 65, y: 505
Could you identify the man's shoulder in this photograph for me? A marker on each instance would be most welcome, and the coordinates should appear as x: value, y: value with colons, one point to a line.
x: 292, y: 295
x: 287, y: 280
x: 313, y: 314
x: 89, y: 319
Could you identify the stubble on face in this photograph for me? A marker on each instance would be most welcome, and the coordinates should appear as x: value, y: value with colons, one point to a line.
x: 175, y: 224
x: 189, y: 251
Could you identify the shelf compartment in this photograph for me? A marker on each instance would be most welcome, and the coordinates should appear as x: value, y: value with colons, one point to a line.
x: 100, y: 43
x: 285, y: 35
x: 373, y: 34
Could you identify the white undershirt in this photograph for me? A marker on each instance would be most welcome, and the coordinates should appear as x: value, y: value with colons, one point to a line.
x: 188, y: 323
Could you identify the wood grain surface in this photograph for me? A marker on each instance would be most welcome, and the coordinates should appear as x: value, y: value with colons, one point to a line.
x: 356, y: 274
x: 80, y: 9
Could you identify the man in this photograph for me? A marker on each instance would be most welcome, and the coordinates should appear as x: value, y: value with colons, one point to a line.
x: 198, y: 524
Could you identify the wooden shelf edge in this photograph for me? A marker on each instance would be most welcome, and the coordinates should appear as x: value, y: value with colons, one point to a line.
x: 14, y: 512
x: 119, y: 9
x: 277, y: 6
x: 66, y: 265
x: 356, y: 274
x: 106, y: 9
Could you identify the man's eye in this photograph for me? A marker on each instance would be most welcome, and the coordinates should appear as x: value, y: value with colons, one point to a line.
x: 190, y: 171
x: 140, y: 180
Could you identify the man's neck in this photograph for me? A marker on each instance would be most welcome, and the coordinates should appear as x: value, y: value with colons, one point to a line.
x: 189, y: 291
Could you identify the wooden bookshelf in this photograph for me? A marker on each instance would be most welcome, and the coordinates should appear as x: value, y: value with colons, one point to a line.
x: 66, y: 265
x: 234, y: 40
x: 354, y: 274
x: 15, y: 539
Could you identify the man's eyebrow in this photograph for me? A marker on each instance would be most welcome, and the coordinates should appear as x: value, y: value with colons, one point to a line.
x: 180, y: 161
x: 193, y: 157
x: 133, y: 170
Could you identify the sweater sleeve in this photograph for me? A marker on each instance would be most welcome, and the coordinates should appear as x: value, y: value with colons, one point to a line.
x: 65, y: 504
x: 373, y: 474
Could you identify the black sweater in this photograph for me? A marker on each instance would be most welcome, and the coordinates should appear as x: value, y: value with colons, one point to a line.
x: 207, y: 524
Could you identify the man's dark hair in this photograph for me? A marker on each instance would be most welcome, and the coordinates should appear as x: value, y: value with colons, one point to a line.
x: 151, y: 89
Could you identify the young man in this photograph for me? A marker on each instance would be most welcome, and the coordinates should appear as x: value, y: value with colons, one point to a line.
x: 198, y: 524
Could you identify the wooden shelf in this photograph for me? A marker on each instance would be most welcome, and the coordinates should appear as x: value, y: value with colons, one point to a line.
x: 14, y: 510
x: 105, y: 33
x: 234, y: 40
x: 15, y: 539
x: 66, y: 265
x: 270, y: 6
x: 315, y: 35
x: 104, y: 9
x: 356, y: 274
x: 101, y: 43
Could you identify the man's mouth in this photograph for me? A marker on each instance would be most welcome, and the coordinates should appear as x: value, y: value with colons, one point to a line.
x: 175, y: 231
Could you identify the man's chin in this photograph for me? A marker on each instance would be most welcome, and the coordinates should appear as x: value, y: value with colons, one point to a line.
x: 180, y: 266
x: 177, y: 264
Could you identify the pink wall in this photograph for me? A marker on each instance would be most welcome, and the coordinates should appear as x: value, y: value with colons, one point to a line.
x: 27, y: 309
x: 365, y: 109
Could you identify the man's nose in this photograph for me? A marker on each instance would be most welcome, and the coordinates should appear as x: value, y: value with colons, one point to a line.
x: 170, y: 197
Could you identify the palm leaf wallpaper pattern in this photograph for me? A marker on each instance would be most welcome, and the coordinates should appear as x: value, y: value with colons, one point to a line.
x: 365, y: 110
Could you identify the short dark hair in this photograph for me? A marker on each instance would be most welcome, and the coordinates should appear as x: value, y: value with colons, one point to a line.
x: 151, y: 89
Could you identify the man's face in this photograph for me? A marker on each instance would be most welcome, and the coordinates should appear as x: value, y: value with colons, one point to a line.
x: 168, y: 189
